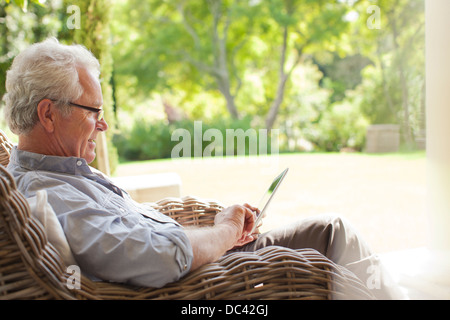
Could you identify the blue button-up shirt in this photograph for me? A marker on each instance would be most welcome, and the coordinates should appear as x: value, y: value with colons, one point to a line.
x: 112, y: 237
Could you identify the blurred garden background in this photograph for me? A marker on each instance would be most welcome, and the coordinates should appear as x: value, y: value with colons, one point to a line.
x: 320, y: 72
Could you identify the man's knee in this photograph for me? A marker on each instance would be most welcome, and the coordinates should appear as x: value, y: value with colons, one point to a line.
x: 321, y: 232
x: 330, y: 234
x: 345, y: 244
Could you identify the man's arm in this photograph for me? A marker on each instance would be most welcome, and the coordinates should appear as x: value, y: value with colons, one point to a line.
x: 231, y: 228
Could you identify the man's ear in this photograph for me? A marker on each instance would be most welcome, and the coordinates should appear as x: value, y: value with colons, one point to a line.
x: 46, y: 114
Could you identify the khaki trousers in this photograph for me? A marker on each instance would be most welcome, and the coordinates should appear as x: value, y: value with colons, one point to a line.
x: 336, y: 239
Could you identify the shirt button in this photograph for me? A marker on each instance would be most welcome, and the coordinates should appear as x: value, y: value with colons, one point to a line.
x: 79, y: 163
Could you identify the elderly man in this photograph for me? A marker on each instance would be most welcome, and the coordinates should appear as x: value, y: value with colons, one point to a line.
x: 54, y: 104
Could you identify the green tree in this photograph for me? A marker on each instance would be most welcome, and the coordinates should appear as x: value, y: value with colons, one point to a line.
x: 193, y: 42
x: 215, y: 44
x: 22, y: 23
x: 306, y: 27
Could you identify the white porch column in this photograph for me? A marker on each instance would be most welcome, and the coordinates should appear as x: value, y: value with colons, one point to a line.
x: 424, y: 273
x: 438, y: 121
x: 102, y: 154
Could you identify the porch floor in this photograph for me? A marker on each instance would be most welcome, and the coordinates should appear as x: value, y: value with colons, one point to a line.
x: 420, y: 273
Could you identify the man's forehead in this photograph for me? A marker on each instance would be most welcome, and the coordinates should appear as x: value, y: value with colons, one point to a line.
x: 91, y: 86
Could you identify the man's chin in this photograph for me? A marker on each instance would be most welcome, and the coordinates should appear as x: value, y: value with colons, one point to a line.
x: 90, y: 158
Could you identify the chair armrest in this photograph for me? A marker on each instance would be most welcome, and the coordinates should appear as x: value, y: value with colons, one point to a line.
x: 189, y: 211
x: 269, y: 273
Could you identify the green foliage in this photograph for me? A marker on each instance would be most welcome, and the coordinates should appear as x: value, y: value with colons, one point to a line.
x: 155, y: 140
x: 317, y: 63
x: 341, y: 74
x: 22, y: 23
x: 341, y: 127
x: 144, y: 141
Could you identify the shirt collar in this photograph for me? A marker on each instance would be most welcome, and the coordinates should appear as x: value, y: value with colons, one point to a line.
x: 66, y: 165
x: 36, y: 161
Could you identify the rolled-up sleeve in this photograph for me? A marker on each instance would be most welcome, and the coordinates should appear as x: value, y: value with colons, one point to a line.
x: 124, y: 250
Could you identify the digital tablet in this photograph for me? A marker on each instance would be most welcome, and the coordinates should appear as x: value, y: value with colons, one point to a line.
x: 267, y: 197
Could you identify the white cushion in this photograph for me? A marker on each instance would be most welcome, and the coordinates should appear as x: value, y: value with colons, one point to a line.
x: 43, y: 211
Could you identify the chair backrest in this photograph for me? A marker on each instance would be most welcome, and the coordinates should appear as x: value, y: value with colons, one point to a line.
x: 30, y: 267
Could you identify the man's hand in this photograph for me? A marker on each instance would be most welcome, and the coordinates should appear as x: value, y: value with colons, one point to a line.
x: 256, y: 213
x: 241, y: 220
x: 232, y: 228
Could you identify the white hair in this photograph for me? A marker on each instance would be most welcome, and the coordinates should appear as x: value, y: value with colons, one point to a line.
x: 45, y: 70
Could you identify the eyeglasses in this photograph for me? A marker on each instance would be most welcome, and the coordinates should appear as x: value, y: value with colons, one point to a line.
x: 99, y: 111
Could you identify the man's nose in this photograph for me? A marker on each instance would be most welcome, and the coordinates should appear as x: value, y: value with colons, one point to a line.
x: 102, y: 125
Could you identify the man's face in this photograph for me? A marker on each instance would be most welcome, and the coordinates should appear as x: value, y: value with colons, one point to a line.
x: 76, y: 134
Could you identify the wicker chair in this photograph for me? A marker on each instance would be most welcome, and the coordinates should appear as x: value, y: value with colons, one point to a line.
x: 31, y: 267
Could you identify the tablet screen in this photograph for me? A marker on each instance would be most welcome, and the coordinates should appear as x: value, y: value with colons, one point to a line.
x: 267, y: 197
